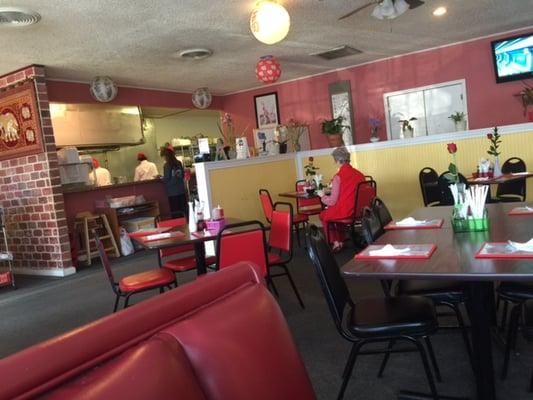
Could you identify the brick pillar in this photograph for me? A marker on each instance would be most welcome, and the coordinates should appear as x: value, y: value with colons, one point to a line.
x: 31, y: 194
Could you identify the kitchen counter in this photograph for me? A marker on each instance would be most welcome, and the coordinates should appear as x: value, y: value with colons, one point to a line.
x: 86, y: 188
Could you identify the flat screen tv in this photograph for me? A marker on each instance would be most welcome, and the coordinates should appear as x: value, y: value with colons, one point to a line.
x: 513, y: 58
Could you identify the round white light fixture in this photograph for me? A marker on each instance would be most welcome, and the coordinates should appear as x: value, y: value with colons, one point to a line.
x: 17, y: 16
x: 269, y: 22
x: 439, y: 11
x: 195, y: 54
x: 103, y: 89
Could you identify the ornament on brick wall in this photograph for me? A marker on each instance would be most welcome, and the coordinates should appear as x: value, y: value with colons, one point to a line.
x: 268, y: 69
x: 201, y: 98
x: 103, y: 89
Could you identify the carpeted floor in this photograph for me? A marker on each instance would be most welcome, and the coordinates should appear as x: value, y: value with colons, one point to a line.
x: 42, y: 308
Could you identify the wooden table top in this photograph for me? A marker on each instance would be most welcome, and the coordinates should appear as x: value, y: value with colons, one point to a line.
x: 187, y: 238
x: 454, y: 257
x: 501, y: 179
x: 298, y: 195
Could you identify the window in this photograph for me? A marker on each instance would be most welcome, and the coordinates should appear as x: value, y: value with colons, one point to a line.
x: 430, y: 105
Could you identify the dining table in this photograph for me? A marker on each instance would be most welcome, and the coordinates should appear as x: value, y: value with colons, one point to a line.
x: 185, y: 237
x: 454, y: 259
x: 500, y: 179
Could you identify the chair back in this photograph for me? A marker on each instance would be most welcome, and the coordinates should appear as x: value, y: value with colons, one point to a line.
x: 171, y: 223
x: 371, y: 226
x: 364, y: 195
x: 266, y: 203
x: 515, y: 190
x: 429, y: 187
x: 329, y: 275
x: 280, y: 236
x: 247, y: 243
x: 300, y: 203
x: 105, y: 260
x: 446, y: 197
x: 381, y: 210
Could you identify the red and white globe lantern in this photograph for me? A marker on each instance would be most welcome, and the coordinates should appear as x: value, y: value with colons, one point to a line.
x: 268, y: 69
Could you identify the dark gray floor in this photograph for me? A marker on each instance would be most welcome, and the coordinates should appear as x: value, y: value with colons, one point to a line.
x: 43, y: 308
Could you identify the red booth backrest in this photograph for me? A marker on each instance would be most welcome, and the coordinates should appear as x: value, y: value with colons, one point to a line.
x: 221, y: 337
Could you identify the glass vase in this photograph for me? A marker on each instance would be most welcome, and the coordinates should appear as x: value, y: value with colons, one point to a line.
x: 497, y: 168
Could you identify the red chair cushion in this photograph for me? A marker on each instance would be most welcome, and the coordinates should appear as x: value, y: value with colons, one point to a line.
x: 156, y: 369
x: 299, y: 218
x: 273, y: 258
x: 145, y: 280
x: 186, y: 263
x: 345, y: 221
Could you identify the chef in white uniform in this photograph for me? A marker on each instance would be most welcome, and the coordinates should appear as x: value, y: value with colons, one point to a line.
x: 145, y: 170
x: 99, y: 176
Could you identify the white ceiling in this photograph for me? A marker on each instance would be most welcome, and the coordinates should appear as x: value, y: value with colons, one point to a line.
x: 134, y: 41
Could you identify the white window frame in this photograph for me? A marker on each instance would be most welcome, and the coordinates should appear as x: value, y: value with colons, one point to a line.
x: 462, y: 82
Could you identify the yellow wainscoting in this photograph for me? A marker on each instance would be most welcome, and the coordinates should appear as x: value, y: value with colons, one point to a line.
x: 236, y: 188
x: 396, y: 169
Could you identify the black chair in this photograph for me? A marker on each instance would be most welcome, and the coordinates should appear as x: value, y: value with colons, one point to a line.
x: 514, y: 190
x: 527, y: 330
x: 446, y: 197
x: 387, y: 320
x: 517, y: 294
x: 381, y: 210
x: 429, y: 187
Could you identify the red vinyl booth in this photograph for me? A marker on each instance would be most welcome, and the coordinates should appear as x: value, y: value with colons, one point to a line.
x: 220, y: 337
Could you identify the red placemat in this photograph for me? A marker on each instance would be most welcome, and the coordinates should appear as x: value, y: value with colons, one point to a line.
x: 501, y: 250
x: 147, y: 232
x: 432, y: 224
x: 521, y: 211
x: 417, y: 252
x: 163, y: 236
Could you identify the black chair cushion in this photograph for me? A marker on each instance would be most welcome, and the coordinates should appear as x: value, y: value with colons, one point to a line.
x: 527, y: 329
x: 437, y: 290
x: 393, y: 316
x: 516, y: 291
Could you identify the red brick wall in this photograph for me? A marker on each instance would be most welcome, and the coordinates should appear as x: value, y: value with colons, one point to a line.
x: 30, y: 192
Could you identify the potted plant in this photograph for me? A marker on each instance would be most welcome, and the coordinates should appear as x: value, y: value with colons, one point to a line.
x: 407, y: 128
x: 333, y: 128
x: 375, y: 123
x: 459, y: 120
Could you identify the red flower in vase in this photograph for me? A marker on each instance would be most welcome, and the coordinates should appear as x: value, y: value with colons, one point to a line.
x: 452, y: 148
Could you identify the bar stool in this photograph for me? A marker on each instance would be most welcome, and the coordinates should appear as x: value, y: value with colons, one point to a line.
x: 84, y: 223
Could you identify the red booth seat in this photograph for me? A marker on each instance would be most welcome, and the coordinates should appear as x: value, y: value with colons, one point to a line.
x: 220, y: 337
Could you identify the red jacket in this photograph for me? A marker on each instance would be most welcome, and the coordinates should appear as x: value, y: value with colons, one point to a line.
x: 350, y: 178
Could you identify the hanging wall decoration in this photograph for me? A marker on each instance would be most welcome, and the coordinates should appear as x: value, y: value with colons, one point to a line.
x: 103, y: 89
x: 268, y: 69
x: 201, y: 98
x: 20, y: 125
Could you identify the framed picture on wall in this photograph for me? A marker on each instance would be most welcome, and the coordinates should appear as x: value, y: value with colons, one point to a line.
x: 266, y: 110
x: 340, y: 97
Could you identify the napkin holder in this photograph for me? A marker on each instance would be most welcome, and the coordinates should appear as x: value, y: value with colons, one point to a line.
x: 471, y: 224
x: 215, y: 225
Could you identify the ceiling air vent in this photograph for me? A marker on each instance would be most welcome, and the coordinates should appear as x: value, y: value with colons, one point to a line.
x: 195, y: 54
x: 337, y: 52
x: 15, y: 16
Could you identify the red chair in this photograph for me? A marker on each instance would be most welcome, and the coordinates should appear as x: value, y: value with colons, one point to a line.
x: 243, y: 245
x: 280, y: 245
x: 179, y: 264
x: 311, y: 206
x: 364, y: 195
x: 297, y: 221
x: 159, y: 278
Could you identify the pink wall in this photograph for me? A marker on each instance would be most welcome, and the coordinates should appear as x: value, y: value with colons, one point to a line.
x: 307, y: 99
x: 72, y: 92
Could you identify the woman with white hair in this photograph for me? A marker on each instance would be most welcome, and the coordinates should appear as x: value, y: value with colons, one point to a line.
x: 341, y: 200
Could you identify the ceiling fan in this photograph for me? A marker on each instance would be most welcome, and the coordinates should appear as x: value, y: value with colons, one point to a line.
x: 387, y: 9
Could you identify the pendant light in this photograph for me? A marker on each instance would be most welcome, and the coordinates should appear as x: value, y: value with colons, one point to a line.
x: 269, y: 22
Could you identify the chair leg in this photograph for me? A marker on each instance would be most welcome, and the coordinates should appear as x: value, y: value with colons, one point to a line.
x: 297, y: 230
x: 504, y: 315
x: 348, y: 369
x: 117, y: 297
x: 464, y: 332
x: 427, y: 369
x: 386, y: 358
x: 127, y: 300
x: 433, y: 359
x: 512, y: 331
x: 291, y: 281
x: 270, y: 283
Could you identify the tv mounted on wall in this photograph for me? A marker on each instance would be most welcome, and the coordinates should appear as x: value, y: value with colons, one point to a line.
x: 513, y: 58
